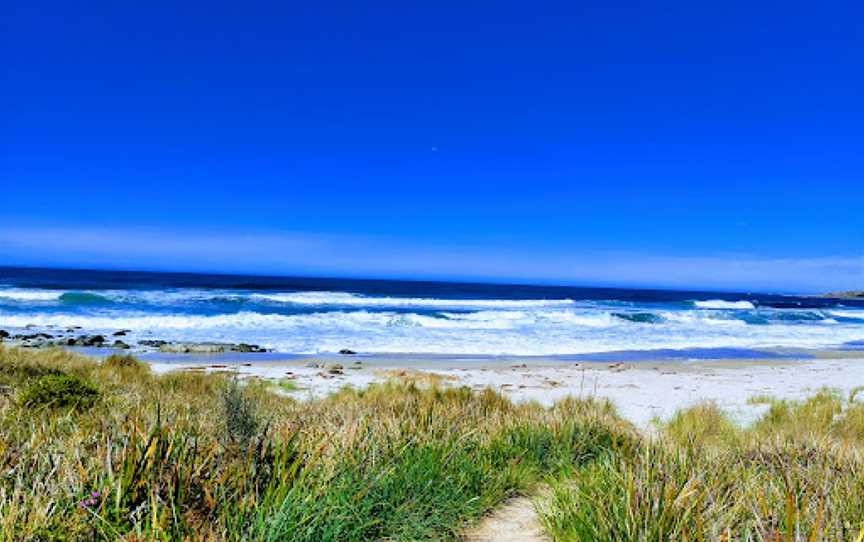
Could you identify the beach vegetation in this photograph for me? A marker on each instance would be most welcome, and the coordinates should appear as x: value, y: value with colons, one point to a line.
x: 288, y: 386
x: 189, y: 455
x: 794, y: 475
x: 122, y: 361
x: 58, y: 391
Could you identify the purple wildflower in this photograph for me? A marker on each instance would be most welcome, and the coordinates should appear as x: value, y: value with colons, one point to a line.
x: 92, y: 500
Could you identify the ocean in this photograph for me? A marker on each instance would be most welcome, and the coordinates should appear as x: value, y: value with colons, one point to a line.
x: 322, y: 315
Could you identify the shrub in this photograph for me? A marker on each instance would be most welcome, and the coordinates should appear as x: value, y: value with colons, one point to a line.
x: 126, y: 366
x: 15, y: 373
x: 58, y: 391
x: 117, y: 361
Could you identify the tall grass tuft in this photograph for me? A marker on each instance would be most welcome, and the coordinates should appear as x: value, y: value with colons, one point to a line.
x: 795, y: 475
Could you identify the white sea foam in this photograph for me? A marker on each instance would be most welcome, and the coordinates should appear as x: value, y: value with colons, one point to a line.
x: 309, y: 322
x: 721, y: 304
x: 519, y: 332
x: 25, y: 295
x: 347, y: 299
x: 303, y: 299
x: 858, y: 315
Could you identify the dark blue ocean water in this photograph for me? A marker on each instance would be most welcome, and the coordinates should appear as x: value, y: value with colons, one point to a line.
x: 76, y: 279
x: 308, y: 315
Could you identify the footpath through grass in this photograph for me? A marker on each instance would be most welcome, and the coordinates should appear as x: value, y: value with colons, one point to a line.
x: 109, y: 451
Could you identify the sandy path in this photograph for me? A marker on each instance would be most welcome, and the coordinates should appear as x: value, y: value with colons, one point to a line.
x: 514, y: 521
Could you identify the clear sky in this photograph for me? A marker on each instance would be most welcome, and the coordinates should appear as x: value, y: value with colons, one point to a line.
x: 709, y: 144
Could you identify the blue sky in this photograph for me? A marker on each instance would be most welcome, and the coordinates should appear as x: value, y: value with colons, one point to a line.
x: 666, y: 143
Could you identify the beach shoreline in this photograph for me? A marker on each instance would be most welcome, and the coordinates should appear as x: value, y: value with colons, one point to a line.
x: 641, y: 391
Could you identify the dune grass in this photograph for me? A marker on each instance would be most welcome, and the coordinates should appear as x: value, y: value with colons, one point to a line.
x: 201, y: 457
x: 109, y: 451
x: 795, y: 475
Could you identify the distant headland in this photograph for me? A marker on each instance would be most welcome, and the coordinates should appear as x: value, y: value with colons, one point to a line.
x: 852, y: 294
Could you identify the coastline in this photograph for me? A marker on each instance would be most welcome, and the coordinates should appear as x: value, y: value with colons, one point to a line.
x: 641, y: 391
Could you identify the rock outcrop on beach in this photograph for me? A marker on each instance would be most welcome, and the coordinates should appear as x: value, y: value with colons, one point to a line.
x: 45, y: 339
x: 208, y: 347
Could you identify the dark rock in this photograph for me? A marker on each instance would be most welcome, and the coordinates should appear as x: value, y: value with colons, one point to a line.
x: 121, y: 345
x: 333, y: 368
x: 120, y: 333
x: 155, y: 343
x: 33, y: 336
x: 243, y: 347
x: 92, y: 340
x: 3, y: 334
x: 346, y: 352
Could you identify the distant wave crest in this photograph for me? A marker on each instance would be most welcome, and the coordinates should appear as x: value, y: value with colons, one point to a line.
x: 348, y: 299
x: 27, y: 295
x: 722, y: 304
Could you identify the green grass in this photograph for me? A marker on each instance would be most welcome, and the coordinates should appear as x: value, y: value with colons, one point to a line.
x: 794, y: 475
x: 58, y: 391
x: 198, y: 456
x: 110, y: 451
x: 288, y: 386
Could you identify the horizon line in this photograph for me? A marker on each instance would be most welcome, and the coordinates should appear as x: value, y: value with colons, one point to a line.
x: 377, y: 278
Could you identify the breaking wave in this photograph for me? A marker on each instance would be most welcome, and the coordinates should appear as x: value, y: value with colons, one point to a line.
x: 327, y: 321
x: 20, y: 294
x: 345, y: 299
x: 721, y: 304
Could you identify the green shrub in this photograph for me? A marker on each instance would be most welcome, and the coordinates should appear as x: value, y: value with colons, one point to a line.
x: 14, y: 373
x: 57, y: 391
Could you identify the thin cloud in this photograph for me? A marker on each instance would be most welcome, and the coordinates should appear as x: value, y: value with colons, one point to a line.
x: 383, y: 256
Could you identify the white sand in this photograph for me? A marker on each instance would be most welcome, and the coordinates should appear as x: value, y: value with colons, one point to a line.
x: 641, y: 391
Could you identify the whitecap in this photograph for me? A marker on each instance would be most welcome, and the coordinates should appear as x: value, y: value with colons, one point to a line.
x: 22, y: 294
x: 722, y: 304
x: 348, y: 299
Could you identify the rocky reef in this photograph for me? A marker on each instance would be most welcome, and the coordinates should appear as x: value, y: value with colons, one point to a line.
x: 72, y: 337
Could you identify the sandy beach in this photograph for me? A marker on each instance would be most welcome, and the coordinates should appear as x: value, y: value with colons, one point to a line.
x: 641, y: 391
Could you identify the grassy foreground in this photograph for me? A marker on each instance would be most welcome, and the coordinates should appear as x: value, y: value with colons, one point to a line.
x: 109, y: 451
